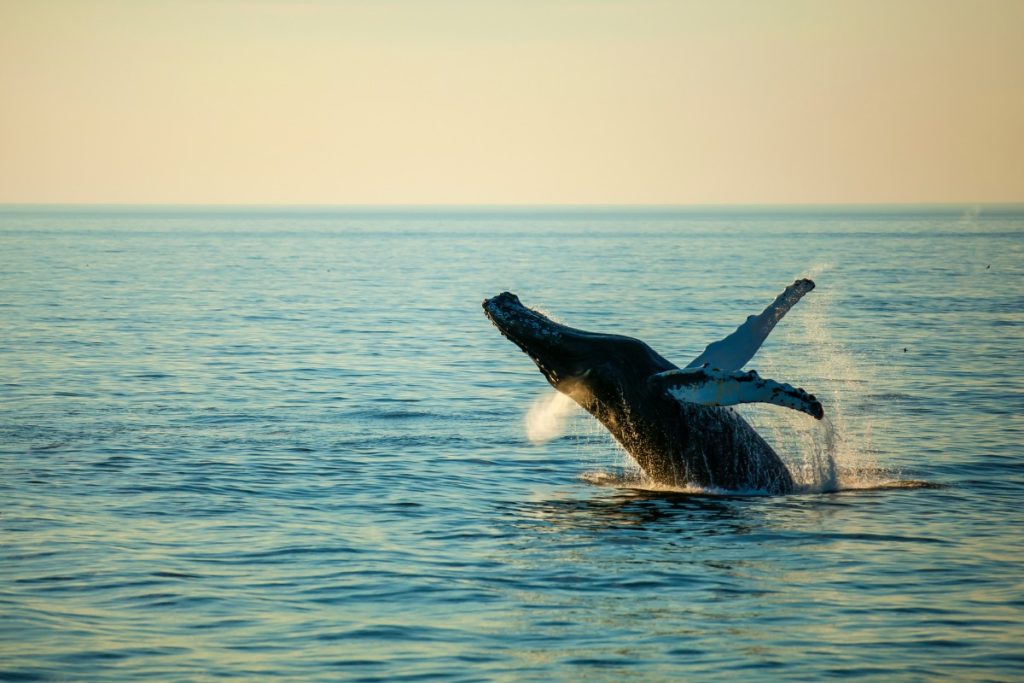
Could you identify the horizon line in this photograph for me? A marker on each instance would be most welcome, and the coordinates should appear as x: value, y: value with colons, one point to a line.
x: 503, y: 206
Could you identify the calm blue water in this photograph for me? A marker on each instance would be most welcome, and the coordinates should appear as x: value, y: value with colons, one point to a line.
x: 286, y: 444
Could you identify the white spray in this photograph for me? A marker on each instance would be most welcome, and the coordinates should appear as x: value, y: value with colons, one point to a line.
x: 546, y: 419
x: 829, y: 455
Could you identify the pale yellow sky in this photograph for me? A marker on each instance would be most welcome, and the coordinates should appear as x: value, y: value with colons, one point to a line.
x: 511, y: 102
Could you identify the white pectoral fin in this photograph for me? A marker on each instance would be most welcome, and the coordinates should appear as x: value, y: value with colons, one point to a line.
x: 733, y: 352
x: 713, y: 387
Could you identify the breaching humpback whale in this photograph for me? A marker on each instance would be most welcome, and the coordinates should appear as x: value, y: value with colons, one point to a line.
x: 673, y: 422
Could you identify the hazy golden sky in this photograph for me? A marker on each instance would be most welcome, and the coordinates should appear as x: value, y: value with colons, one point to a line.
x: 511, y: 102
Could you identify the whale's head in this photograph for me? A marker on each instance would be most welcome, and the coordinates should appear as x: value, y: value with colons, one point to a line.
x: 584, y: 365
x: 552, y: 346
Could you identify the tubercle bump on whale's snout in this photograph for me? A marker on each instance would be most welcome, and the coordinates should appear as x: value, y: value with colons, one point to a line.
x: 502, y: 299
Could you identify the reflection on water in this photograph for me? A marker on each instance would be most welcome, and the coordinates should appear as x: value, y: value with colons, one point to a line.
x: 287, y: 445
x: 631, y: 508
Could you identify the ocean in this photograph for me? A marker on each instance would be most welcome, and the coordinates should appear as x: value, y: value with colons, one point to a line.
x: 285, y: 444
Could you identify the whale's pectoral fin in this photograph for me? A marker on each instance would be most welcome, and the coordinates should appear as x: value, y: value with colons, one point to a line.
x: 733, y: 352
x: 713, y: 387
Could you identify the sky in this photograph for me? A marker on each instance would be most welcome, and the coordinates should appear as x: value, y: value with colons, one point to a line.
x: 511, y: 102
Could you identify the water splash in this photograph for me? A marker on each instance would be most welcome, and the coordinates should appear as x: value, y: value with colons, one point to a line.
x: 547, y: 417
x: 814, y: 271
x: 836, y: 453
x: 970, y: 215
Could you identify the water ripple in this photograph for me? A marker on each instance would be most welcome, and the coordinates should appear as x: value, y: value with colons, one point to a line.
x: 257, y: 457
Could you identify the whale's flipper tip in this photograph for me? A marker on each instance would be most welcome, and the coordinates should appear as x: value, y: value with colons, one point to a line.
x: 736, y: 350
x: 714, y: 387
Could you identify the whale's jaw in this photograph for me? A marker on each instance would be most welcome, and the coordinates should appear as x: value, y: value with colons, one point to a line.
x: 549, y: 344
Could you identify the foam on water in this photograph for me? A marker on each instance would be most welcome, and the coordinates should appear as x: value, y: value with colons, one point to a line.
x: 864, y: 479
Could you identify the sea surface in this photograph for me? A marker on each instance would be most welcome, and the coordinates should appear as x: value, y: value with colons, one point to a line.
x: 286, y: 444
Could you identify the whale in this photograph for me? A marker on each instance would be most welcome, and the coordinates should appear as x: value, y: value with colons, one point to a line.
x: 678, y: 424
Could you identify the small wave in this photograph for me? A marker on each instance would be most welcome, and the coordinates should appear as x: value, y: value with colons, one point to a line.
x: 52, y: 446
x: 393, y: 414
x: 401, y: 414
x: 225, y: 419
x: 892, y: 485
